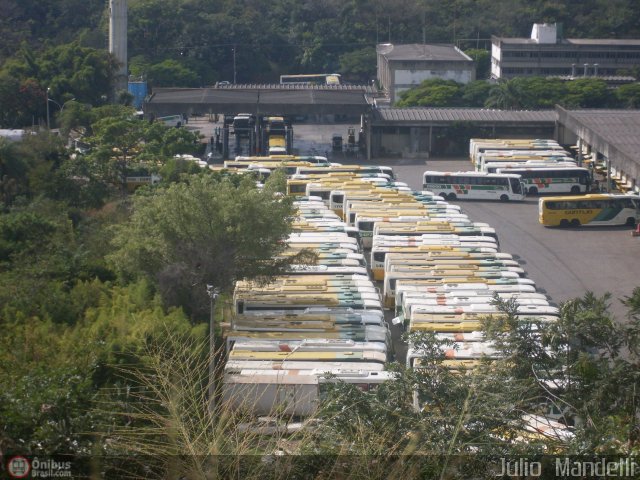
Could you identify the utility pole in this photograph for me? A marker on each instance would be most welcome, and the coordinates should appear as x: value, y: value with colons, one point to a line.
x: 48, y: 125
x: 234, y: 64
x: 213, y: 296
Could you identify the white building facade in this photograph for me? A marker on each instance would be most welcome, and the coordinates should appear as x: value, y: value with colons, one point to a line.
x: 401, y: 67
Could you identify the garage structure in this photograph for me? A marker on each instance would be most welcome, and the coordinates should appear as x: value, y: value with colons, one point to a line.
x: 610, y: 138
x: 421, y: 132
x: 326, y: 102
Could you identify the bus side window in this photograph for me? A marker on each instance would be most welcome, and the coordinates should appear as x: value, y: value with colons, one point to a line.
x: 551, y: 205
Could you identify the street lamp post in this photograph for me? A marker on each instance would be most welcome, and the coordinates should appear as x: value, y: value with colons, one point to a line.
x: 61, y: 107
x: 48, y: 125
x: 213, y: 296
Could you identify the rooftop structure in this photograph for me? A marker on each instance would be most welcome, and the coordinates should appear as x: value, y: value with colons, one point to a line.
x: 547, y: 53
x: 401, y: 67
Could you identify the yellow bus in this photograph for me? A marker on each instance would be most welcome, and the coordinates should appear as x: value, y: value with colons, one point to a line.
x: 324, y: 317
x: 309, y: 356
x: 321, y: 345
x: 285, y: 303
x: 362, y: 333
x: 592, y: 210
x: 304, y: 170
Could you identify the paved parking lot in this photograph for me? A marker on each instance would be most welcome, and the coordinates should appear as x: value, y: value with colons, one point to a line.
x: 564, y: 263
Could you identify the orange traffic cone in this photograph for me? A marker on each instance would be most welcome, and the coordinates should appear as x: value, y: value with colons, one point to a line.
x: 636, y: 232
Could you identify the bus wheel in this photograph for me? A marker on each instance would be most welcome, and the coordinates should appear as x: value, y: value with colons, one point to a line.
x: 631, y: 222
x: 451, y: 196
x: 504, y: 198
x: 575, y: 222
x: 533, y: 191
x: 575, y: 189
x: 443, y: 195
x: 564, y: 222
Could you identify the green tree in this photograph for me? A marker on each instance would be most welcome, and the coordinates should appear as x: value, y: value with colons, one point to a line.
x: 60, y: 385
x: 171, y: 73
x: 208, y: 231
x: 124, y: 141
x: 587, y: 93
x: 434, y: 92
x: 474, y: 94
x: 542, y: 93
x: 507, y: 95
x: 13, y: 172
x: 482, y: 59
x: 628, y: 95
x: 358, y: 66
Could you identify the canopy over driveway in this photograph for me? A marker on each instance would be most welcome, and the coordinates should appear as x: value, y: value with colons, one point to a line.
x: 351, y: 100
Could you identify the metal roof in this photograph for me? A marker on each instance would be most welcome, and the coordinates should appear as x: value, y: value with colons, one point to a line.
x: 613, y: 133
x: 259, y: 100
x: 620, y: 128
x: 422, y: 52
x: 435, y: 115
x: 567, y: 42
x: 292, y: 86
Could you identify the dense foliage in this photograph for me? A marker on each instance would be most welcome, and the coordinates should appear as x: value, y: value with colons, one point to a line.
x: 523, y: 93
x: 192, y: 43
x: 92, y: 278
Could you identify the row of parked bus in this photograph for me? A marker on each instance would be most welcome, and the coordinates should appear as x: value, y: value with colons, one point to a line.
x: 318, y: 324
x: 543, y: 165
x: 378, y: 246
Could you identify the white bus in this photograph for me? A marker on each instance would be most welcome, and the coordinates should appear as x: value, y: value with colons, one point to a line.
x: 172, y: 120
x: 292, y: 392
x: 323, y: 345
x: 494, y: 166
x: 447, y: 276
x: 409, y: 287
x: 474, y: 185
x: 410, y: 303
x: 366, y: 221
x: 310, y: 79
x: 528, y: 311
x: 434, y: 226
x: 458, y: 350
x: 378, y: 253
x: 553, y: 179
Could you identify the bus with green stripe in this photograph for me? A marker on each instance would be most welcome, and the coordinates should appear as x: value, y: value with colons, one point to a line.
x: 591, y: 210
x: 474, y: 185
x: 553, y: 179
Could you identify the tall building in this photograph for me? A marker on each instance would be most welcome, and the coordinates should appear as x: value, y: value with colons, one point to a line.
x: 401, y: 67
x: 118, y: 41
x: 547, y: 53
